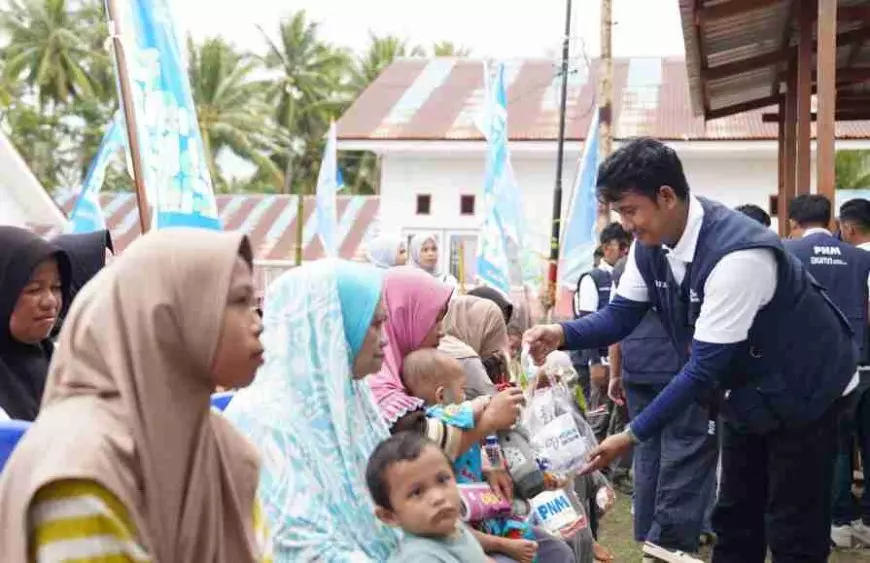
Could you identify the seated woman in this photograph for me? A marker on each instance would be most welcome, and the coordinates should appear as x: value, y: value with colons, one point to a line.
x: 312, y: 416
x: 126, y: 461
x: 88, y: 254
x: 387, y: 252
x: 416, y: 304
x: 34, y: 284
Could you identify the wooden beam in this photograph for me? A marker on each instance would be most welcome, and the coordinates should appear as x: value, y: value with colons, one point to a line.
x: 781, y: 192
x: 776, y: 57
x: 741, y: 107
x: 806, y: 21
x: 826, y: 65
x: 842, y: 115
x: 790, y: 138
x: 733, y: 8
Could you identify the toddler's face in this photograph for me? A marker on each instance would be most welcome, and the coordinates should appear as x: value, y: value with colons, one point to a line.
x: 424, y: 495
x: 454, y: 387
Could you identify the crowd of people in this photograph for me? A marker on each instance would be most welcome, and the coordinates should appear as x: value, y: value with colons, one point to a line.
x: 716, y: 364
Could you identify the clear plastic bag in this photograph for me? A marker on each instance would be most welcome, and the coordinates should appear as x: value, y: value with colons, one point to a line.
x: 559, y: 434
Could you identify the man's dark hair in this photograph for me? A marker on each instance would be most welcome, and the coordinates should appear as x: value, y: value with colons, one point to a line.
x: 614, y: 232
x: 598, y: 253
x: 810, y: 209
x: 642, y: 166
x: 754, y: 212
x: 403, y: 446
x: 856, y: 212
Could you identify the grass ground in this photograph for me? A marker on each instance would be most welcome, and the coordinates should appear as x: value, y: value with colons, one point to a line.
x: 616, y: 534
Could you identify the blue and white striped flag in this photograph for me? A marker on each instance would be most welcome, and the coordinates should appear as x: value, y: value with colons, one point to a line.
x: 579, y: 239
x: 174, y: 163
x: 502, y: 202
x: 329, y: 183
x: 87, y: 215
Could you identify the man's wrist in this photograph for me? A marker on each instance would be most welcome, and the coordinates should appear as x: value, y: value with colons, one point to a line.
x: 631, y: 435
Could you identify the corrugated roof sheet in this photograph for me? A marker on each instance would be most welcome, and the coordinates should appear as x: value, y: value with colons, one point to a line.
x: 438, y: 99
x: 269, y: 221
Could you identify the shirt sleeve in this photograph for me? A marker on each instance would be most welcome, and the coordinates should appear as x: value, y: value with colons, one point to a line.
x: 738, y: 286
x: 631, y: 284
x: 587, y: 297
x: 80, y: 518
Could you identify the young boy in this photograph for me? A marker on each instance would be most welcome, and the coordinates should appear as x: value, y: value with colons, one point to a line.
x: 414, y: 488
x: 439, y: 379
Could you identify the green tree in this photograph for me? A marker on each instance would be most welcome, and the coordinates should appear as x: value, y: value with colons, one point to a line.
x: 449, y: 49
x: 230, y: 104
x: 50, y: 48
x: 852, y: 169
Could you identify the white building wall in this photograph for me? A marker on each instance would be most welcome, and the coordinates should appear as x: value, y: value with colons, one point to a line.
x: 732, y: 177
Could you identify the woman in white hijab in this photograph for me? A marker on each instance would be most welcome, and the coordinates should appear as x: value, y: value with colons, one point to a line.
x: 424, y: 255
x: 387, y: 251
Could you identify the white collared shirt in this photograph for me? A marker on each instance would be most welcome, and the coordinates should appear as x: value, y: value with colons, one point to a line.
x: 587, y: 297
x: 740, y: 284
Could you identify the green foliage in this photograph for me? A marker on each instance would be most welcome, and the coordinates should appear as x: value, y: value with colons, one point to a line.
x: 271, y: 108
x: 852, y: 169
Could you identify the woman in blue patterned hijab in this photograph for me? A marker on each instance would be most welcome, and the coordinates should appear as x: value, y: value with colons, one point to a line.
x: 312, y: 417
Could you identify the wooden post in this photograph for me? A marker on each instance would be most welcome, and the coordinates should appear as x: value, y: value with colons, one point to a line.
x: 790, y: 149
x: 806, y: 19
x: 826, y: 91
x: 605, y: 104
x: 781, y: 191
x: 128, y: 106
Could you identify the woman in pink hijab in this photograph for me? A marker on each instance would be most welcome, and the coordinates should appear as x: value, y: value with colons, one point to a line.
x: 416, y: 304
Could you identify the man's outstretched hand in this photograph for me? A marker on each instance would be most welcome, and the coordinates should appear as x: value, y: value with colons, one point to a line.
x: 614, y: 446
x: 542, y: 340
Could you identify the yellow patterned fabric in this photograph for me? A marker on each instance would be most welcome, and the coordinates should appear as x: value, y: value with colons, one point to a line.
x: 79, y: 521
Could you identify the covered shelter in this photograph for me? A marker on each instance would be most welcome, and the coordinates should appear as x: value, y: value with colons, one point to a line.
x: 804, y: 63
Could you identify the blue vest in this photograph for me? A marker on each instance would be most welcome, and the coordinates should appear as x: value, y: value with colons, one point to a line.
x: 842, y: 269
x: 799, y: 355
x: 603, y: 283
x: 648, y: 354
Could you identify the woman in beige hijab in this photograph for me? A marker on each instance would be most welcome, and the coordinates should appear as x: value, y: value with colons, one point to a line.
x: 126, y: 461
x: 476, y: 335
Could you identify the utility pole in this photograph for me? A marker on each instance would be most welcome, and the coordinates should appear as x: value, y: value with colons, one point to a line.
x: 605, y: 96
x: 560, y: 157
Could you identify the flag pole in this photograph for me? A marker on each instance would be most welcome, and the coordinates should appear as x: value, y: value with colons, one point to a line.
x: 560, y: 152
x: 129, y: 116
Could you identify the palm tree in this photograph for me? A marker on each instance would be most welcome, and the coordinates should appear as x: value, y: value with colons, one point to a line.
x: 852, y: 169
x: 382, y: 52
x: 450, y: 49
x: 49, y: 48
x: 362, y: 169
x: 230, y: 106
x: 310, y: 89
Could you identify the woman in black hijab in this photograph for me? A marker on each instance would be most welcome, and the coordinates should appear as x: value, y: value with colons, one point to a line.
x: 34, y: 284
x: 497, y: 297
x: 88, y: 254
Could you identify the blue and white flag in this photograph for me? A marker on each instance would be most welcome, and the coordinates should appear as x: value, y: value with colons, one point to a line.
x: 579, y: 238
x: 502, y: 222
x: 174, y: 164
x: 87, y: 215
x: 329, y: 183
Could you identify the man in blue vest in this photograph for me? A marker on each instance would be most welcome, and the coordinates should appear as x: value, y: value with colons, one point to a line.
x: 754, y: 212
x: 593, y: 293
x: 843, y: 269
x: 761, y: 340
x: 674, y: 472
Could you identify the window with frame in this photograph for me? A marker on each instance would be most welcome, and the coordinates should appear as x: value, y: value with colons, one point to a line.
x: 466, y: 204
x: 424, y: 204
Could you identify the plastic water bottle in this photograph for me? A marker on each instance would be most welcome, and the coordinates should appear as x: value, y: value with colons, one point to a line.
x: 493, y: 451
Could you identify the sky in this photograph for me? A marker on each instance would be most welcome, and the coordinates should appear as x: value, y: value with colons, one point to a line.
x: 498, y: 29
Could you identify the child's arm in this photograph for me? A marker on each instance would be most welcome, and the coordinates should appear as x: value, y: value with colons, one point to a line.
x: 522, y: 551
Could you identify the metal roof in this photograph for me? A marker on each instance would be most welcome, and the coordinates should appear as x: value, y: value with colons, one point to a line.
x: 438, y: 99
x: 269, y: 221
x: 737, y: 53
